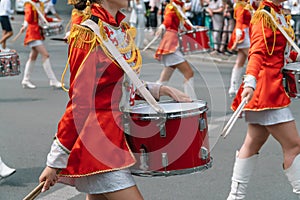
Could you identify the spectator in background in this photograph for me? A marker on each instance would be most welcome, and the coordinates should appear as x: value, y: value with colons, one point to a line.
x: 215, y: 10
x: 154, y: 6
x: 198, y: 12
x: 147, y: 2
x: 187, y: 8
x: 137, y: 20
x: 162, y: 8
x: 228, y: 26
x: 7, y: 32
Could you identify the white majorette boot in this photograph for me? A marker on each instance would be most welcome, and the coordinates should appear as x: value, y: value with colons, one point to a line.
x: 27, y: 72
x: 50, y: 74
x: 242, y: 172
x: 293, y: 175
x: 188, y: 87
x: 234, y: 80
x: 5, y: 171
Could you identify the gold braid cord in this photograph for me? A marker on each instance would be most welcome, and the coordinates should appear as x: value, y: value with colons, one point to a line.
x: 86, y: 39
x: 268, y: 23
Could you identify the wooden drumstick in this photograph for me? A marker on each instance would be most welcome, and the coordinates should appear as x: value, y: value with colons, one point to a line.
x: 35, y: 192
x: 150, y: 43
x: 233, y: 118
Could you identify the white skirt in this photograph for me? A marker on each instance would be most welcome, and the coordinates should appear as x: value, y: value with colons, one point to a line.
x: 246, y: 42
x: 172, y: 59
x: 269, y: 117
x: 35, y: 43
x: 102, y: 182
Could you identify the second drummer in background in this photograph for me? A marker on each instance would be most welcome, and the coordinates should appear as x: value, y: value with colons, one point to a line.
x: 34, y: 39
x: 168, y: 52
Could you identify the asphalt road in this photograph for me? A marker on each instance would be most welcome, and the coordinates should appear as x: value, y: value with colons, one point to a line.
x: 28, y: 121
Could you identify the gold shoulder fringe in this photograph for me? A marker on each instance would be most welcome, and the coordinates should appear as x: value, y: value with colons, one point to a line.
x: 267, y: 21
x: 83, y: 36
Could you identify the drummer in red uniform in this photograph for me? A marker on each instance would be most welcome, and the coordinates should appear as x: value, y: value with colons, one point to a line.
x: 168, y: 50
x: 90, y: 151
x: 239, y: 41
x: 34, y: 10
x: 267, y: 110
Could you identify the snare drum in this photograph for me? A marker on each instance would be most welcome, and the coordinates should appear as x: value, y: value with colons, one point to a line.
x: 194, y: 41
x: 171, y: 145
x: 9, y: 64
x: 291, y: 79
x: 54, y: 28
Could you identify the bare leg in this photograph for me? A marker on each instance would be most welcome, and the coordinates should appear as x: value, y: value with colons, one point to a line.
x: 166, y: 74
x: 188, y: 84
x: 5, y: 36
x: 256, y: 136
x: 185, y: 69
x: 287, y: 135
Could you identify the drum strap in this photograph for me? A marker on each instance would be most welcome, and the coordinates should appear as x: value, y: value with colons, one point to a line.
x: 93, y: 25
x: 39, y: 12
x: 289, y: 39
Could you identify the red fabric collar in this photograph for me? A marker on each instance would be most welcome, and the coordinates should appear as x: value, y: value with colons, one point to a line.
x: 105, y: 16
x: 272, y: 5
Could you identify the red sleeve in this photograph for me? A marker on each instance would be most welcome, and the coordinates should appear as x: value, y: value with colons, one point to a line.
x: 81, y: 93
x: 239, y: 17
x: 258, y: 51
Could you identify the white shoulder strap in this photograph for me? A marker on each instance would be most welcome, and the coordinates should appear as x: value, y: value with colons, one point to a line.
x: 125, y: 66
x: 39, y: 13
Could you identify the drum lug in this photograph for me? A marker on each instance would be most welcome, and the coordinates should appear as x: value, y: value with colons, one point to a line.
x: 162, y: 129
x: 203, y: 153
x: 202, y: 124
x: 143, y: 159
x: 164, y: 159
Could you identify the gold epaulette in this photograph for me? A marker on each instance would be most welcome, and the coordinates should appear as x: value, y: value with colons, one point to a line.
x: 267, y: 21
x: 84, y: 38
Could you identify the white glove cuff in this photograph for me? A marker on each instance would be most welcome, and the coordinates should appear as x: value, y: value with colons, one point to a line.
x: 238, y: 32
x: 249, y: 81
x: 154, y: 89
x: 162, y: 26
x: 25, y: 24
x: 58, y: 155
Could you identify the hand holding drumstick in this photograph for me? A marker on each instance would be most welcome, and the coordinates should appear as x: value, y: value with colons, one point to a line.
x: 246, y: 96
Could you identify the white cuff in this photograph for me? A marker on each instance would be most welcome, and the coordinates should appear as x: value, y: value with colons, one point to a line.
x: 238, y: 32
x: 25, y: 24
x: 58, y: 155
x: 162, y: 26
x: 249, y: 81
x: 154, y: 89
